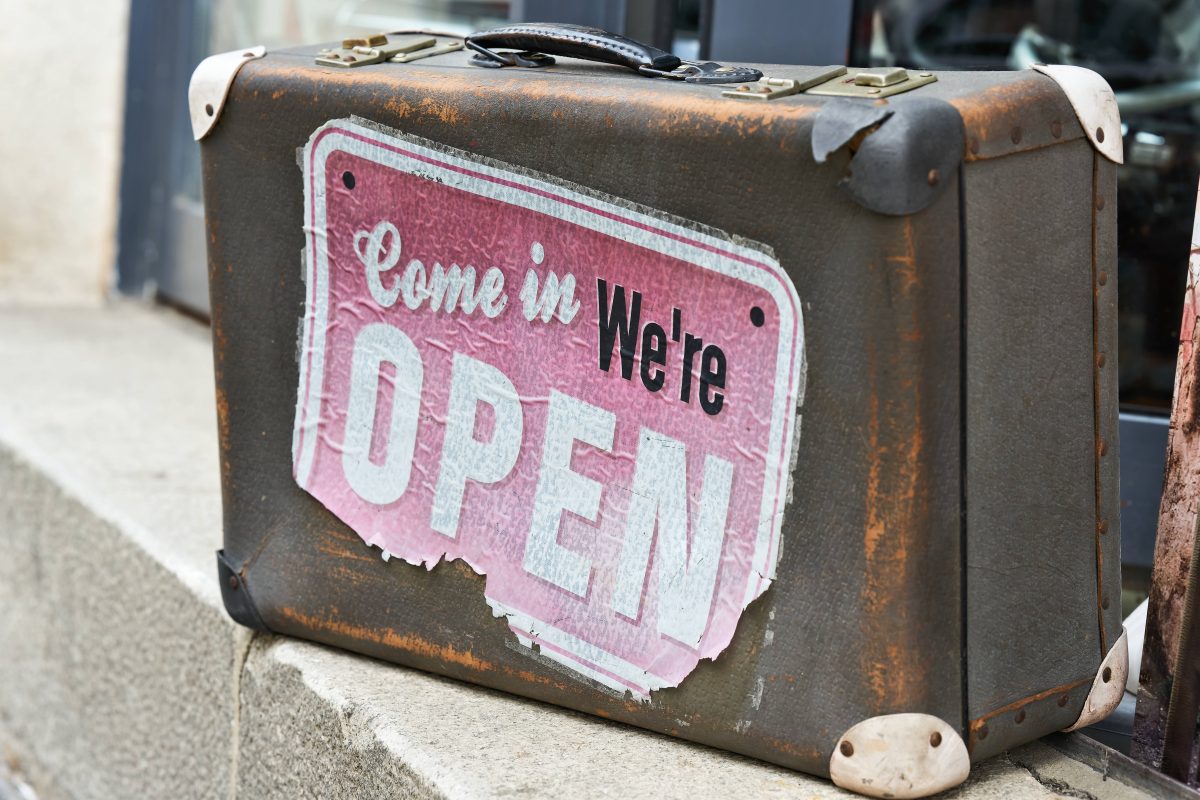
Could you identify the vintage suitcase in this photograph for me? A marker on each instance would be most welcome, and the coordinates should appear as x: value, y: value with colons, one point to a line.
x: 775, y: 413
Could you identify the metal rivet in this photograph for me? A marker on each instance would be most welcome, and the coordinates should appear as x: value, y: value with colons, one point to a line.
x: 1099, y: 134
x: 743, y: 88
x: 874, y: 91
x: 935, y: 739
x: 1016, y: 135
x: 351, y: 58
x: 763, y: 90
x: 1102, y: 278
x: 1100, y: 202
x: 1104, y: 604
x: 1106, y: 675
x: 233, y: 582
x: 1102, y: 526
x: 847, y: 749
x: 933, y: 177
x: 983, y: 732
x: 974, y: 147
x: 1100, y: 360
x: 247, y: 54
x: 1020, y: 716
x: 1062, y: 700
x: 208, y: 109
x: 1056, y: 129
x: 927, y: 75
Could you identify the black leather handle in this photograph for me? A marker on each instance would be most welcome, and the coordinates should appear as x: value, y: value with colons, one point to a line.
x: 574, y: 41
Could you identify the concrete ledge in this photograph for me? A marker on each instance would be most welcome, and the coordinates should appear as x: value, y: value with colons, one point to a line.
x: 121, y: 676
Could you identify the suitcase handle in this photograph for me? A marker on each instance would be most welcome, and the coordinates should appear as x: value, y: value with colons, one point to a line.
x: 537, y: 42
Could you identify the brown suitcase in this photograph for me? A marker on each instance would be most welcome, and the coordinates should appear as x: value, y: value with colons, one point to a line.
x: 559, y: 325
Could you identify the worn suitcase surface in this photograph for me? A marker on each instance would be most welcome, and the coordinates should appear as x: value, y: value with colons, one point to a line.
x: 745, y: 420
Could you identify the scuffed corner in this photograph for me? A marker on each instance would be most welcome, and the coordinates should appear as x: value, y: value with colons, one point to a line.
x: 841, y: 121
x: 903, y: 152
x: 235, y: 593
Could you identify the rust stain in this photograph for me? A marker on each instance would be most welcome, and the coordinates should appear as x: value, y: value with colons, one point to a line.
x: 896, y: 495
x: 331, y: 549
x: 1027, y: 701
x: 398, y: 107
x: 444, y: 110
x: 416, y: 645
x: 346, y: 575
x: 408, y: 642
x: 991, y: 114
x: 223, y: 435
x: 675, y: 111
x: 810, y: 754
x: 1096, y: 415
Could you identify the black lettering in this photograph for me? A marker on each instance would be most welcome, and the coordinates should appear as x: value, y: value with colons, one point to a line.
x: 712, y: 373
x: 691, y: 346
x: 614, y: 321
x: 676, y: 323
x: 654, y: 351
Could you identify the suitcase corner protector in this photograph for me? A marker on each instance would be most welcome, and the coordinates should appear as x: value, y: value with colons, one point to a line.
x: 235, y: 593
x: 900, y: 756
x: 1108, y: 687
x: 210, y: 85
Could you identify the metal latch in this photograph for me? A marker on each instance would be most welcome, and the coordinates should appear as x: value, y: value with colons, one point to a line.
x: 873, y: 82
x: 768, y: 88
x: 399, y: 48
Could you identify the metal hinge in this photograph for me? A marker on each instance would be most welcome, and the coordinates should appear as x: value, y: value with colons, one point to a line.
x: 392, y: 47
x: 873, y: 82
x: 836, y: 81
x: 768, y: 88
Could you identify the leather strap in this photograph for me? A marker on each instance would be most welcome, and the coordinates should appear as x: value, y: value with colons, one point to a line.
x: 574, y: 41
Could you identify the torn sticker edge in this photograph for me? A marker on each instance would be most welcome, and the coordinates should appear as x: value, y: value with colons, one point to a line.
x: 750, y: 259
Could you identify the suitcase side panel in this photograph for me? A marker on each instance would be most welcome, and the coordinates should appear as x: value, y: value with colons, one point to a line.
x: 1108, y: 446
x: 864, y: 616
x: 1031, y: 455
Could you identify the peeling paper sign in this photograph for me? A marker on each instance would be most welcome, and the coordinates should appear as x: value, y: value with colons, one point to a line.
x: 592, y: 405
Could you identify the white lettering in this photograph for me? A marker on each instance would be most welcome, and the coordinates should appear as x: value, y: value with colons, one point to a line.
x: 559, y: 489
x: 556, y: 295
x: 685, y: 584
x: 376, y: 344
x: 447, y: 289
x: 378, y: 256
x: 463, y: 456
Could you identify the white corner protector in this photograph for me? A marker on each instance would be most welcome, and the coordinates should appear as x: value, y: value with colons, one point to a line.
x: 901, y: 756
x: 210, y: 85
x: 1108, y: 687
x: 1094, y: 103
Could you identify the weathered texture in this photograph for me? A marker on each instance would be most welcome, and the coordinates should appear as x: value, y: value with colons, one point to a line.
x: 1176, y: 541
x: 1030, y: 444
x: 883, y: 383
x: 866, y: 617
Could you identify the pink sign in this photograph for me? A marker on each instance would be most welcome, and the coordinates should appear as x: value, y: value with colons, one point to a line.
x: 593, y: 405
